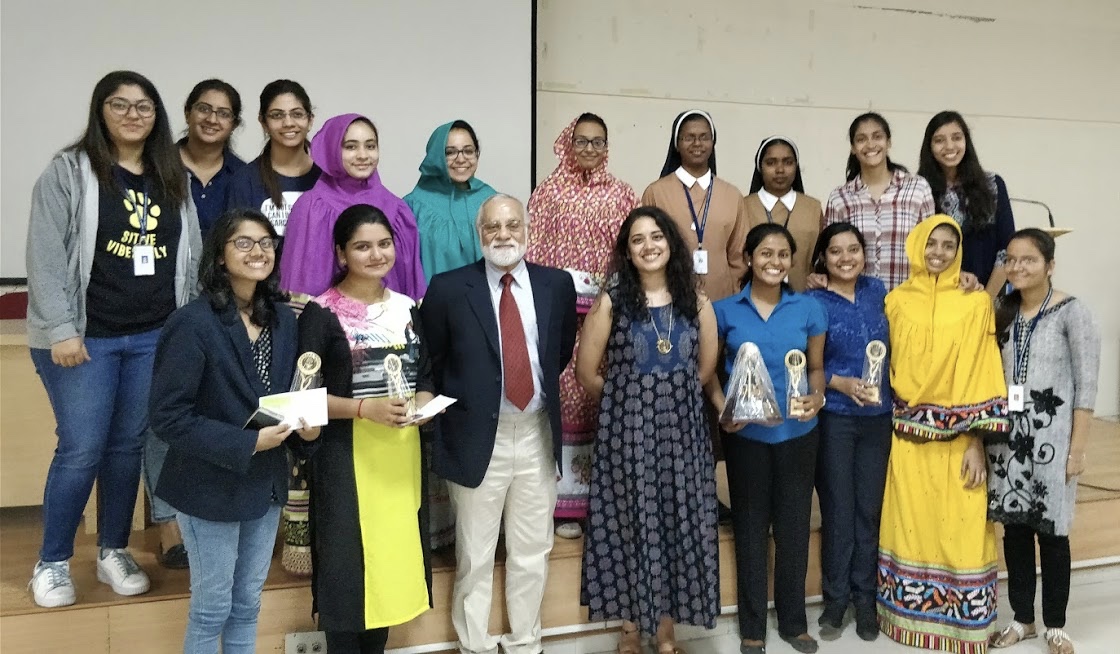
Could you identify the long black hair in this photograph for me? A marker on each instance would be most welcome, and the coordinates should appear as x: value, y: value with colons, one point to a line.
x: 271, y: 91
x: 348, y: 223
x: 213, y: 278
x: 825, y: 239
x: 978, y: 201
x: 628, y: 297
x: 1008, y: 306
x: 756, y: 180
x: 214, y: 84
x: 851, y: 170
x: 160, y: 157
x: 755, y: 237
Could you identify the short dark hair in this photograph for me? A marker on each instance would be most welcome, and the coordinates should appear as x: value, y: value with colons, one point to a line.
x: 466, y: 127
x: 218, y: 85
x: 213, y: 278
x: 348, y: 223
x: 588, y: 117
x: 756, y: 236
x: 851, y: 170
x: 824, y: 239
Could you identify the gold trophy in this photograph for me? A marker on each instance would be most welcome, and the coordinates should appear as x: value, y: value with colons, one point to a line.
x: 296, y: 554
x: 396, y: 383
x: 797, y: 385
x: 873, y: 371
x: 307, y: 372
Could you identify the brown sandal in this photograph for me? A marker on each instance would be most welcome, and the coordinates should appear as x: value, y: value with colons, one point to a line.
x: 629, y: 642
x: 1013, y: 633
x: 1058, y: 641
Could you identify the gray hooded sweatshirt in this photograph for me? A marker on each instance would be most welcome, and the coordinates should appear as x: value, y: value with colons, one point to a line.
x: 61, y: 238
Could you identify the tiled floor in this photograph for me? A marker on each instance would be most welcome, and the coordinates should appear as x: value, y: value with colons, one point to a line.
x: 1093, y: 623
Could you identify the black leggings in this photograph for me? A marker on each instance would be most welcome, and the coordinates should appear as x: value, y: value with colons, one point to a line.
x: 1018, y: 551
x: 364, y: 642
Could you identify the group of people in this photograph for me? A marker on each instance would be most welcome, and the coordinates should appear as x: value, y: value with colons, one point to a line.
x: 587, y: 340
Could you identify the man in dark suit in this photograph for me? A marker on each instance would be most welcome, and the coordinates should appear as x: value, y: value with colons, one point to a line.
x: 499, y: 333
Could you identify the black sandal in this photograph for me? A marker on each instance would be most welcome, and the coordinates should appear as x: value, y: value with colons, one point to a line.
x: 175, y: 557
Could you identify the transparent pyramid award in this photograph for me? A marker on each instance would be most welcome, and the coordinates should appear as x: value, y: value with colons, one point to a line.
x: 750, y: 393
x: 307, y: 374
x: 397, y: 384
x: 797, y: 382
x: 872, y: 378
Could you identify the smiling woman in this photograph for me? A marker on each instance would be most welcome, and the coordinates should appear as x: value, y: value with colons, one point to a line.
x: 213, y: 112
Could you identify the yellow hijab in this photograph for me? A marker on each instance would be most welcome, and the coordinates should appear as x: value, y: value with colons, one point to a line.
x: 946, y: 370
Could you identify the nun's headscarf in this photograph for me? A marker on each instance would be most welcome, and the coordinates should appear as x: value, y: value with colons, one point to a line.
x: 756, y: 181
x: 673, y: 158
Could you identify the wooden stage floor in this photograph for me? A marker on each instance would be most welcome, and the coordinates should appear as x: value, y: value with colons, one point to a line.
x: 102, y: 621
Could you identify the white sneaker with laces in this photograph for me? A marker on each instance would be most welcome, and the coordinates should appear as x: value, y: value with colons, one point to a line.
x: 117, y: 568
x: 51, y: 584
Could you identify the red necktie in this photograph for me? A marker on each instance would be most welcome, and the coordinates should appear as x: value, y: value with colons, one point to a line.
x: 516, y: 371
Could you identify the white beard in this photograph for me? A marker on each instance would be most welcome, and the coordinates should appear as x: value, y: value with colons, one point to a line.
x: 504, y: 257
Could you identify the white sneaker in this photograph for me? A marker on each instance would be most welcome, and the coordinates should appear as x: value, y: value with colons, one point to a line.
x: 51, y: 584
x: 569, y: 530
x: 117, y: 568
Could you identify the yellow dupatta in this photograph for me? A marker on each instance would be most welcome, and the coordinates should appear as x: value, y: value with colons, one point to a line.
x: 946, y: 370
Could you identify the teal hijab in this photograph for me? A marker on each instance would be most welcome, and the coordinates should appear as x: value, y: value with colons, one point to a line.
x: 445, y: 213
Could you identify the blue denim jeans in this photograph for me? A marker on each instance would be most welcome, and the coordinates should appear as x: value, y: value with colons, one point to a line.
x: 851, y: 477
x: 155, y: 451
x: 229, y: 563
x: 101, y: 411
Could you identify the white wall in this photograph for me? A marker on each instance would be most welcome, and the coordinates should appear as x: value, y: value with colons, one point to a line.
x: 409, y: 66
x: 1032, y: 78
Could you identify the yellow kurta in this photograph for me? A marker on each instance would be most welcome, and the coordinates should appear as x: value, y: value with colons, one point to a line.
x: 937, y: 551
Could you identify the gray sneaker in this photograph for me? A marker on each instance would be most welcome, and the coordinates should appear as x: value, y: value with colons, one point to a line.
x: 51, y: 584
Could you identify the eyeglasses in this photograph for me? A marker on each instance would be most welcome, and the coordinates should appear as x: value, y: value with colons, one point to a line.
x: 294, y: 114
x: 493, y: 229
x: 121, y: 107
x: 453, y: 153
x: 703, y: 139
x: 582, y: 143
x: 205, y: 110
x: 245, y: 244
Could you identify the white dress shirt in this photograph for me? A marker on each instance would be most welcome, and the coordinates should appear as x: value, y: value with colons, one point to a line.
x: 688, y: 180
x: 522, y: 291
x: 769, y: 199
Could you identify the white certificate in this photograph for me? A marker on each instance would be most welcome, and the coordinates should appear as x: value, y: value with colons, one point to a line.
x: 431, y: 409
x: 310, y: 405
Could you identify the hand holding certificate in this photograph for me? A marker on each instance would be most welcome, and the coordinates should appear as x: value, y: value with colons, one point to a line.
x: 430, y: 410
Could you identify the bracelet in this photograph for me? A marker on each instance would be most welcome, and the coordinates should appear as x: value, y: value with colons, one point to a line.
x: 360, y: 407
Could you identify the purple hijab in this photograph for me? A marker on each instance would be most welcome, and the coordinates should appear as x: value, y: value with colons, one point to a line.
x: 309, y: 264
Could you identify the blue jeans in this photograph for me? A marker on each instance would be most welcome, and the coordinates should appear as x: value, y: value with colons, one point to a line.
x: 851, y: 477
x: 101, y: 409
x: 229, y: 563
x: 155, y: 451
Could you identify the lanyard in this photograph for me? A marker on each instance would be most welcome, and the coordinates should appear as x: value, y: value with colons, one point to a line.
x: 699, y: 223
x: 770, y: 216
x: 1023, y: 348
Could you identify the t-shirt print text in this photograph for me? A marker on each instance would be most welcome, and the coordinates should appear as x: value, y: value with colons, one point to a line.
x: 138, y: 205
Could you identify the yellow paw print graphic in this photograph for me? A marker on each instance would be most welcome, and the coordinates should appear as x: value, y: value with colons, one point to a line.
x: 136, y: 201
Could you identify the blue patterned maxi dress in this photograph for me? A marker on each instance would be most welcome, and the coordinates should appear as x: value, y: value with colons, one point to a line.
x: 652, y: 545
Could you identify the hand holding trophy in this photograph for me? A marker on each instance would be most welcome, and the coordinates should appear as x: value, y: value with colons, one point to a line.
x: 750, y: 393
x: 872, y: 378
x: 397, y: 384
x: 797, y: 382
x: 296, y: 554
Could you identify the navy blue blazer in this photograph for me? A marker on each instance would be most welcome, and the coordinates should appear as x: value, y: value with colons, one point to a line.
x: 462, y: 334
x: 204, y: 387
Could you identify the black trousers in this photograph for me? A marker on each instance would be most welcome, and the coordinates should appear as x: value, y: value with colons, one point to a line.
x: 371, y: 641
x: 851, y: 478
x: 1018, y: 551
x: 771, y: 486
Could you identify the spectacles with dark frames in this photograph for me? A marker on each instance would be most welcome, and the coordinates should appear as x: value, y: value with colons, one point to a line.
x: 581, y: 143
x: 205, y: 110
x: 121, y: 107
x: 453, y: 153
x: 294, y: 114
x: 245, y: 244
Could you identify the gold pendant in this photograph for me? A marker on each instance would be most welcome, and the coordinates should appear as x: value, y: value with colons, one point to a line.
x: 664, y: 346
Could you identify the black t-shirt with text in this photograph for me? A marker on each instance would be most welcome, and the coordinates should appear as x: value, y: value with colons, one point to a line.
x: 118, y: 302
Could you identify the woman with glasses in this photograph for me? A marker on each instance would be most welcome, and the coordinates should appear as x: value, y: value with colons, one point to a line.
x: 976, y: 199
x: 778, y: 196
x: 577, y: 211
x: 273, y: 182
x: 217, y: 357
x: 213, y: 111
x: 112, y: 250
x: 446, y: 201
x: 347, y: 150
x: 368, y: 522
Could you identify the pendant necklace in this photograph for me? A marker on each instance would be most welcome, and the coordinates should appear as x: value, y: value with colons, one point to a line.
x: 664, y: 344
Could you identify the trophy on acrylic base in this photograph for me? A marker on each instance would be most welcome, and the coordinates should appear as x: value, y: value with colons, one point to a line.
x: 797, y: 384
x: 396, y: 383
x: 307, y: 372
x: 872, y: 378
x: 750, y: 393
